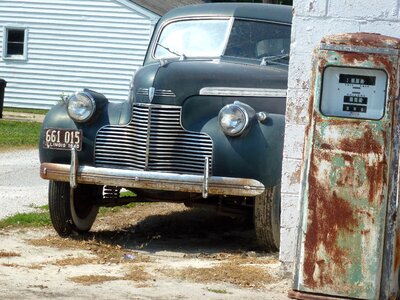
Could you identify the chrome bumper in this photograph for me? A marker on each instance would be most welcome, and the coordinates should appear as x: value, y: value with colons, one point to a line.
x: 214, y: 185
x: 203, y: 184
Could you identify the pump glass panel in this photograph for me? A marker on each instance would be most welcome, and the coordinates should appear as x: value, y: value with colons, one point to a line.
x: 354, y: 93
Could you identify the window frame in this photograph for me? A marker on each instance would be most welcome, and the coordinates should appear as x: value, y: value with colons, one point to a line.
x: 5, y: 55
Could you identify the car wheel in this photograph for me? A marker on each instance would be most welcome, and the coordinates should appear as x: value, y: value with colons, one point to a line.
x: 74, y: 214
x: 267, y: 218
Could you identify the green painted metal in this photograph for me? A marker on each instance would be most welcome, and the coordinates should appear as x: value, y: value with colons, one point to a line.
x: 348, y: 223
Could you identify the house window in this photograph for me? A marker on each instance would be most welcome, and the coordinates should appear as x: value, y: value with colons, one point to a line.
x: 14, y: 43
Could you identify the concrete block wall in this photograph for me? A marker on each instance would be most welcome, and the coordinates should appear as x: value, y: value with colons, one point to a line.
x: 312, y: 20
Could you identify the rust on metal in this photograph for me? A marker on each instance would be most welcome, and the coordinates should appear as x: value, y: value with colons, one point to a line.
x: 363, y: 39
x: 153, y: 180
x: 309, y: 296
x: 346, y: 179
x: 397, y: 256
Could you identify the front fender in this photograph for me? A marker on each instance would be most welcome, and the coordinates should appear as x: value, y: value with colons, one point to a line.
x: 117, y: 113
x: 257, y: 153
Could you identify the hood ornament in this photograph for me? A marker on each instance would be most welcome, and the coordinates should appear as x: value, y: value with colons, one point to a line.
x: 152, y: 91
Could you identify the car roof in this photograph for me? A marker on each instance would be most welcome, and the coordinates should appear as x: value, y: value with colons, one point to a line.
x: 270, y: 12
x: 162, y: 7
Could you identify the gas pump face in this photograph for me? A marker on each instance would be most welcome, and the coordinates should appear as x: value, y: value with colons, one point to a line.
x: 353, y: 92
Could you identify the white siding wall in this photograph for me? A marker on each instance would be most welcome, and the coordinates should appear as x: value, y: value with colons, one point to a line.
x: 73, y: 44
x: 312, y: 20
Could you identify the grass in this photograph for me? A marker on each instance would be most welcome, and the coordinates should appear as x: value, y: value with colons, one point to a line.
x: 75, y: 261
x: 38, y: 218
x: 135, y: 274
x: 228, y: 272
x: 41, y: 217
x: 106, y: 210
x: 9, y: 254
x: 41, y: 207
x: 127, y: 194
x: 103, y: 252
x: 34, y: 219
x: 217, y: 291
x: 26, y: 110
x: 93, y: 279
x: 17, y: 134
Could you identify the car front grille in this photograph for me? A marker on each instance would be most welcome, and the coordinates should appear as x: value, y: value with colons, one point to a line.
x: 154, y: 140
x: 157, y: 92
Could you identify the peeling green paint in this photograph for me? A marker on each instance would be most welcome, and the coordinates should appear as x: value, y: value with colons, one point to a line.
x: 337, y: 163
x: 347, y: 176
x: 359, y: 166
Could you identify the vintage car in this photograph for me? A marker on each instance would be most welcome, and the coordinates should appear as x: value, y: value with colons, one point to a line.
x: 203, y: 123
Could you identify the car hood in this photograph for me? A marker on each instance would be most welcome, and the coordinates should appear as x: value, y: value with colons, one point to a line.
x: 173, y: 82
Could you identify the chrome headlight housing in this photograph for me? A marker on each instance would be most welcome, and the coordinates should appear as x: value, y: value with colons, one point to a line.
x: 235, y: 118
x: 81, y: 106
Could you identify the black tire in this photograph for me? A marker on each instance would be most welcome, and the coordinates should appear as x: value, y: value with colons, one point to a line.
x: 72, y: 214
x: 267, y: 211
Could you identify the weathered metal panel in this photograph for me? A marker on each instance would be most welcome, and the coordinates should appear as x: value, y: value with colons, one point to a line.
x: 71, y: 45
x: 215, y: 185
x: 346, y: 182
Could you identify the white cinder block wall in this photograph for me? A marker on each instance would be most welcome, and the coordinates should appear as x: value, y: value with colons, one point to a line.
x: 313, y: 19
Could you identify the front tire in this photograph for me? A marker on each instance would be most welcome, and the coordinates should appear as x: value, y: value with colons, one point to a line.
x: 267, y: 210
x: 74, y: 214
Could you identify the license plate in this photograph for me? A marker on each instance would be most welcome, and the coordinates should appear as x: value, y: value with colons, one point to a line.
x: 62, y: 139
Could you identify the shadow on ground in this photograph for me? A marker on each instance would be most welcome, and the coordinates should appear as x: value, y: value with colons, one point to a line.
x: 191, y: 231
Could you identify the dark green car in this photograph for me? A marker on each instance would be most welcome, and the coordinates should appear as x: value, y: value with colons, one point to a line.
x: 203, y: 124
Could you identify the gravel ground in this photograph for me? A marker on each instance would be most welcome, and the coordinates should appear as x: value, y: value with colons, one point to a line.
x: 151, y: 251
x: 20, y: 177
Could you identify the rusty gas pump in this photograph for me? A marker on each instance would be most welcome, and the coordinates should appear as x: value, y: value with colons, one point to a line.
x: 349, y: 240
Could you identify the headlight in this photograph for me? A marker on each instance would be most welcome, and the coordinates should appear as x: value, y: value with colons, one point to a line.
x: 81, y: 106
x: 234, y: 118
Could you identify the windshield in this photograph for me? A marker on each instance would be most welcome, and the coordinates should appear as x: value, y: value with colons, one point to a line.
x: 266, y: 42
x: 197, y: 38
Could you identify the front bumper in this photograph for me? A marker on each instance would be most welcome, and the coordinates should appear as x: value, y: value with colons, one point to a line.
x: 214, y: 185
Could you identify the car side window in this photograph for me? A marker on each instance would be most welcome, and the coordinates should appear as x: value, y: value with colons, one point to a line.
x: 256, y: 40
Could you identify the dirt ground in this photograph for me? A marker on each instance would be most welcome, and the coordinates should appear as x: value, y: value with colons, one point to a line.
x: 151, y: 251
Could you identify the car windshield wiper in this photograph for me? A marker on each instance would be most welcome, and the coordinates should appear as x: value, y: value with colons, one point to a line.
x: 273, y: 60
x: 181, y: 56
